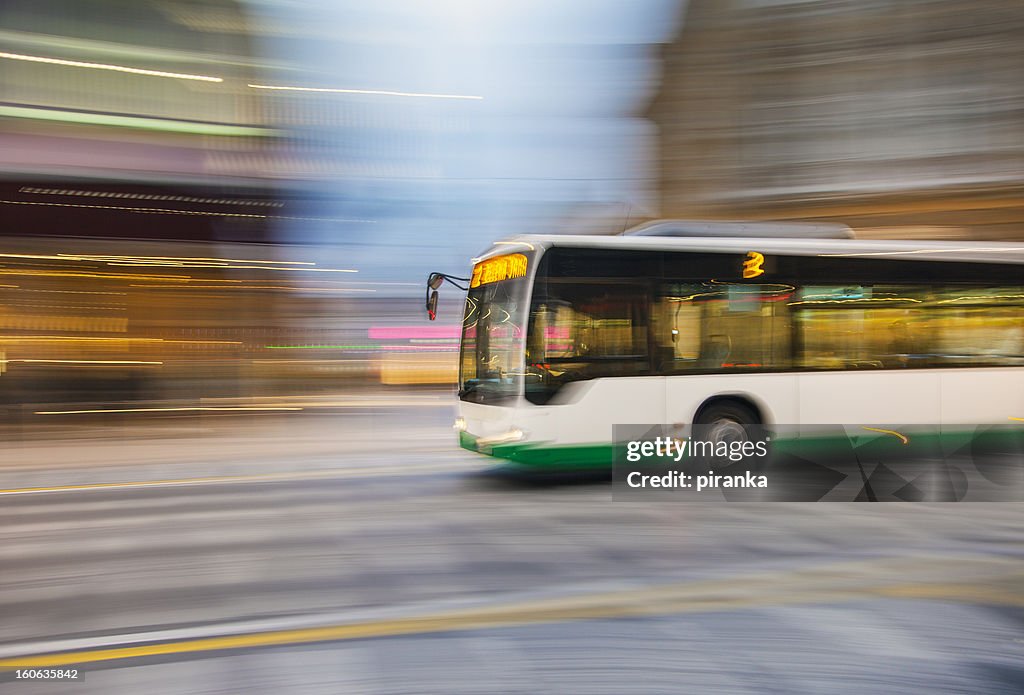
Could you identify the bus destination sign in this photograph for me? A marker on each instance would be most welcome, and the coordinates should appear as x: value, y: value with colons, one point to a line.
x: 506, y: 267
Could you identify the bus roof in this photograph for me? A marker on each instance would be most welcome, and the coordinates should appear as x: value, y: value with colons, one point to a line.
x: 977, y: 252
x: 760, y: 230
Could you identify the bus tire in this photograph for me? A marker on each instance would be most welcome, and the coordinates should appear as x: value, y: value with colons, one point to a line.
x: 728, y: 420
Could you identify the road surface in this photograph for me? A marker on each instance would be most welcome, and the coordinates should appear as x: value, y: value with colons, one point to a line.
x: 352, y: 548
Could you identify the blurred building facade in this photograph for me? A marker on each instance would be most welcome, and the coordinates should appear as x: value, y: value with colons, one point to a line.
x: 119, y: 119
x: 140, y: 181
x: 901, y: 118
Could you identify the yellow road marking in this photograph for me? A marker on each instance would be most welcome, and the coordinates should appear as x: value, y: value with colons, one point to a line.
x: 903, y: 438
x: 818, y: 585
x: 364, y: 472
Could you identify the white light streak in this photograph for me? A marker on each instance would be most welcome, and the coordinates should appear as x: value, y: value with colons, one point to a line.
x: 105, y: 66
x: 375, y: 92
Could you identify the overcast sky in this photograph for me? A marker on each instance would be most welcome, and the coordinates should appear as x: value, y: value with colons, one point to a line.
x: 557, y: 129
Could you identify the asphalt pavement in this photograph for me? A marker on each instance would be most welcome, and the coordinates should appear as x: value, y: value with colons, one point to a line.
x: 352, y: 547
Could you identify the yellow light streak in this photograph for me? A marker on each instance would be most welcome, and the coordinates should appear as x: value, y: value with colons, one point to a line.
x: 239, y: 267
x: 35, y: 256
x: 375, y: 92
x: 75, y: 339
x: 848, y: 301
x: 118, y: 294
x: 183, y: 259
x: 103, y: 362
x: 694, y: 296
x: 981, y: 297
x: 71, y: 339
x: 168, y: 264
x: 34, y: 304
x: 100, y: 276
x: 255, y: 287
x: 106, y: 66
x: 176, y: 261
x: 166, y: 410
x: 902, y: 438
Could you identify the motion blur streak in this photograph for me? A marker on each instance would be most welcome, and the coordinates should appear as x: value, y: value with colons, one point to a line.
x: 86, y: 361
x: 163, y: 410
x: 225, y: 416
x: 159, y: 211
x: 366, y: 91
x: 116, y: 68
x: 134, y: 122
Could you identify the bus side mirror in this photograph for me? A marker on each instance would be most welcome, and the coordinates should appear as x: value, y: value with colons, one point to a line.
x: 435, y: 281
x: 432, y: 305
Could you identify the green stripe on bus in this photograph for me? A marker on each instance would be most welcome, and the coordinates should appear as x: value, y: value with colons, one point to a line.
x: 570, y: 457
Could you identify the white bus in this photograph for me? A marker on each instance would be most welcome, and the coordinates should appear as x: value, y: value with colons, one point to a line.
x: 732, y: 324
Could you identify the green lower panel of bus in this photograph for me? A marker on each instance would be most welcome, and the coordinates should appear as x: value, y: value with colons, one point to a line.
x: 971, y: 443
x: 562, y: 457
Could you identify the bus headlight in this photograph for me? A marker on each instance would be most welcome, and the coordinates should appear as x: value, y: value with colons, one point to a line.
x: 513, y: 435
x: 460, y: 424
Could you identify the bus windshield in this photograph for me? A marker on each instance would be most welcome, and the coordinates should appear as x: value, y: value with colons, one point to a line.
x: 492, y: 341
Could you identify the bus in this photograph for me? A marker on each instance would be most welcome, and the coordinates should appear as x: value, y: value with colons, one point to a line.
x: 728, y: 326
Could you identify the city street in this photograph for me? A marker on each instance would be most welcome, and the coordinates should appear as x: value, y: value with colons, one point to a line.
x: 272, y: 272
x: 352, y: 547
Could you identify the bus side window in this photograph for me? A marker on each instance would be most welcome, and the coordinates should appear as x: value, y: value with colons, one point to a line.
x: 677, y: 326
x: 864, y: 327
x: 585, y: 329
x: 747, y: 327
x: 981, y: 326
x: 723, y: 326
x: 677, y: 329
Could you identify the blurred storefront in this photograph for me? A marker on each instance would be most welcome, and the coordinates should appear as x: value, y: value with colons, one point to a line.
x: 143, y: 190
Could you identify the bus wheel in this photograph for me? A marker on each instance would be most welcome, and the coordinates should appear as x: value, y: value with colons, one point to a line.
x: 728, y: 421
